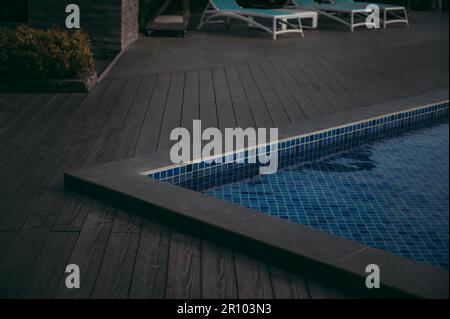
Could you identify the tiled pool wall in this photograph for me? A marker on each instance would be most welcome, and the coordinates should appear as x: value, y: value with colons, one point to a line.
x: 202, y: 175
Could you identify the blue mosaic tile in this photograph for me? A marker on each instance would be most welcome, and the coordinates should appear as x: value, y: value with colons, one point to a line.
x: 382, y: 182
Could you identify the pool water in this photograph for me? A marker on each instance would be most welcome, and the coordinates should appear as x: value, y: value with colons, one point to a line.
x: 389, y: 191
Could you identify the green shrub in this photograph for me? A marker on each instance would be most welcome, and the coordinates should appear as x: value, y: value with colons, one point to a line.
x: 31, y: 53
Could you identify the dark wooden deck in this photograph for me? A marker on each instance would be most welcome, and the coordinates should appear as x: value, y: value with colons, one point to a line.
x: 223, y: 77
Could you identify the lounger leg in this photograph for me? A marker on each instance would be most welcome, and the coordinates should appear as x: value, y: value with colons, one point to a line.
x: 385, y: 15
x: 250, y: 25
x: 301, y: 27
x: 352, y: 21
x: 284, y: 26
x: 200, y: 25
x: 274, y: 28
x: 406, y: 16
x: 315, y: 21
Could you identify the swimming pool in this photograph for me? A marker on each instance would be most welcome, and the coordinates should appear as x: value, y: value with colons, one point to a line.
x: 387, y: 188
x: 391, y: 194
x: 366, y: 186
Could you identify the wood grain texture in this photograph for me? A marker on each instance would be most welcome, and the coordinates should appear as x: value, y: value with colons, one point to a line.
x: 43, y: 278
x: 184, y: 267
x: 287, y: 285
x: 253, y: 278
x: 218, y: 273
x: 150, y: 270
x: 115, y: 274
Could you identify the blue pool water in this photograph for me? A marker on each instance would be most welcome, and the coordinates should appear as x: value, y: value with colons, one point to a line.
x: 389, y: 192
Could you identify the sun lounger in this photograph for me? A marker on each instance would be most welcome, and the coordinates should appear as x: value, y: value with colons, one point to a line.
x: 345, y: 13
x: 391, y: 13
x: 229, y: 9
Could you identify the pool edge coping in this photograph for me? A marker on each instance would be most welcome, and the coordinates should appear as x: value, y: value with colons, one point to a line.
x: 122, y: 183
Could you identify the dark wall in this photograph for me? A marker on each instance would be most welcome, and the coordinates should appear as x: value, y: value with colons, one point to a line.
x: 111, y: 24
x: 13, y: 11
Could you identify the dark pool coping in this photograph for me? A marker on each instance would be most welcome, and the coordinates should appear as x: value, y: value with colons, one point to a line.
x: 272, y: 239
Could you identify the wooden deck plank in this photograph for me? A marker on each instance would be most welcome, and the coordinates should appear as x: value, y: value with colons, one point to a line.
x: 43, y: 278
x: 253, y: 278
x: 184, y: 267
x: 104, y: 146
x: 246, y: 100
x: 321, y: 83
x: 393, y: 64
x: 77, y: 149
x: 71, y: 149
x: 30, y: 134
x: 297, y: 91
x: 191, y: 100
x: 368, y: 71
x: 360, y: 95
x: 287, y: 285
x: 225, y: 111
x: 260, y: 113
x: 126, y: 222
x: 321, y: 291
x: 118, y: 251
x: 150, y: 270
x: 436, y: 59
x: 89, y: 250
x: 114, y: 278
x: 339, y: 85
x: 429, y: 59
x: 172, y: 111
x: 427, y: 81
x: 129, y: 133
x: 15, y: 125
x: 315, y: 95
x: 6, y: 98
x: 274, y: 106
x: 6, y: 239
x: 208, y: 108
x: 152, y: 122
x: 24, y: 190
x: 218, y: 272
x: 41, y: 170
x: 12, y: 109
x: 293, y: 110
x: 126, y: 145
x: 338, y: 62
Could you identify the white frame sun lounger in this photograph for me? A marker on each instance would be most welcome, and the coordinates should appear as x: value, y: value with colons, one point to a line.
x: 230, y: 9
x: 334, y: 10
x: 389, y: 10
